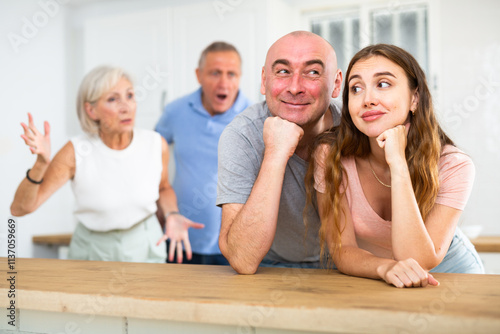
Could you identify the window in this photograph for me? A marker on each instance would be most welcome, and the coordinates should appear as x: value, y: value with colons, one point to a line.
x: 342, y: 31
x: 350, y: 30
x: 406, y: 28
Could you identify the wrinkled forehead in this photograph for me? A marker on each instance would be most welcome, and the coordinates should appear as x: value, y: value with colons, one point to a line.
x: 301, y: 50
x: 229, y: 58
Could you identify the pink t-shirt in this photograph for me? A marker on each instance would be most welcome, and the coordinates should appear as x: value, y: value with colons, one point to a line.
x: 456, y: 177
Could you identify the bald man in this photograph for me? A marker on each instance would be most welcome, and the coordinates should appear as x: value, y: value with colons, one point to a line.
x: 263, y: 158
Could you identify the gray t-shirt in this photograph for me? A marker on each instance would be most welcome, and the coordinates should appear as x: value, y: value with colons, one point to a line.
x: 241, y: 151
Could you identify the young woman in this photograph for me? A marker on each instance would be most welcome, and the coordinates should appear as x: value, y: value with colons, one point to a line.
x: 118, y: 175
x: 390, y: 184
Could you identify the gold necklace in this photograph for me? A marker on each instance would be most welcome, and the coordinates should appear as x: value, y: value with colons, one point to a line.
x: 382, y: 183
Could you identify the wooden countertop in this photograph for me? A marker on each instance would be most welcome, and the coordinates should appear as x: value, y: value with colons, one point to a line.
x: 487, y: 244
x: 300, y: 299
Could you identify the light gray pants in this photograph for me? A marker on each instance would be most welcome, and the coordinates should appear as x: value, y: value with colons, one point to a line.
x: 136, y: 244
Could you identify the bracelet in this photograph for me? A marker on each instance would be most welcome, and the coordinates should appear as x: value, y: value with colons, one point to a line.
x: 172, y: 213
x: 30, y: 179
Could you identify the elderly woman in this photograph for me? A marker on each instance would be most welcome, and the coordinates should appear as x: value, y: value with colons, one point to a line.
x: 118, y: 175
x: 390, y: 184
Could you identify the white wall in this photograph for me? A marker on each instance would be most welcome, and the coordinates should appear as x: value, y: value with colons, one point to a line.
x: 33, y: 79
x: 251, y: 26
x: 470, y: 110
x: 43, y: 75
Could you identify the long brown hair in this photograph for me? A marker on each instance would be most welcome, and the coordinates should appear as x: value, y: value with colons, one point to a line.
x: 423, y: 150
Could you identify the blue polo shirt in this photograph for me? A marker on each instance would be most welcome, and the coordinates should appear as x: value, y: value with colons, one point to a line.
x: 195, y: 135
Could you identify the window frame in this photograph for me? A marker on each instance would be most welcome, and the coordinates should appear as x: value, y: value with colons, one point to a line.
x: 314, y: 11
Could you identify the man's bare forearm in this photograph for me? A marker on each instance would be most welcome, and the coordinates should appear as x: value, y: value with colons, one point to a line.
x: 251, y: 232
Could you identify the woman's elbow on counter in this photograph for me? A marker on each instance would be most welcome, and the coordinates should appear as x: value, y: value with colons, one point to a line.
x: 427, y: 263
x: 430, y: 264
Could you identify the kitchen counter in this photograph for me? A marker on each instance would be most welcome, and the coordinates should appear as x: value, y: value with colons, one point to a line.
x: 192, y: 298
x: 53, y: 239
x: 487, y: 244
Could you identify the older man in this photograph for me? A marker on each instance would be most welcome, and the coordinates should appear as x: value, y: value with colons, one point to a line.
x: 194, y: 124
x: 263, y: 157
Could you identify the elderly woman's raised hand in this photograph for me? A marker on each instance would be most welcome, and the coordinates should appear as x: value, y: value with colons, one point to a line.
x: 38, y: 143
x: 176, y: 228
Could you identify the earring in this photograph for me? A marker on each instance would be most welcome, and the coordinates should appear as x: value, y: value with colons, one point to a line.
x: 412, y: 112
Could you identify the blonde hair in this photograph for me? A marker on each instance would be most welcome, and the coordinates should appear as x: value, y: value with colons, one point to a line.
x: 97, y: 82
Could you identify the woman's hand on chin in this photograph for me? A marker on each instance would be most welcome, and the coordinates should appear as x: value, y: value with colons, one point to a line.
x: 393, y: 141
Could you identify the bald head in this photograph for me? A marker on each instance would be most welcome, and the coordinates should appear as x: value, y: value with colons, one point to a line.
x: 295, y: 41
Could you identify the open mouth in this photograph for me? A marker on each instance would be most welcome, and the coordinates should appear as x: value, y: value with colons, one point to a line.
x: 221, y: 97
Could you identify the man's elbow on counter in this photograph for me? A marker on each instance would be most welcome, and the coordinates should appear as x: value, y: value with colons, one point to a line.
x: 243, y: 269
x: 238, y: 266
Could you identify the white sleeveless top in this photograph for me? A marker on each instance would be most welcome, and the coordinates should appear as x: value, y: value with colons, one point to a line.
x: 115, y: 189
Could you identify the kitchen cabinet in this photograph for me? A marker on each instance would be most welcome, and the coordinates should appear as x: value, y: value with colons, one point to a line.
x: 63, y: 296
